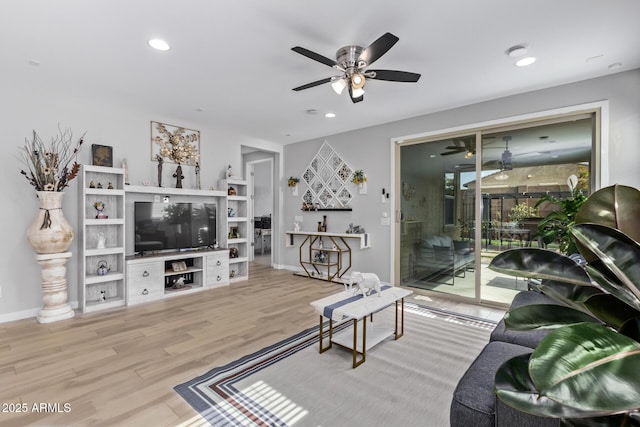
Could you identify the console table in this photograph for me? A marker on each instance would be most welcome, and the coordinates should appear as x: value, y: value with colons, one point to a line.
x: 347, y: 305
x: 325, y: 255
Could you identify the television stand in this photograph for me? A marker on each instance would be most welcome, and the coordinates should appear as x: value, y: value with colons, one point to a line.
x: 155, y: 276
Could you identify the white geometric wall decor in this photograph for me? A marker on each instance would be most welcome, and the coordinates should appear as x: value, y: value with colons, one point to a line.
x: 328, y: 178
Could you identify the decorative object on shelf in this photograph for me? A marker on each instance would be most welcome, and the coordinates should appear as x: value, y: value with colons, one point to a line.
x: 179, y: 266
x: 103, y: 296
x: 229, y: 172
x: 50, y: 232
x: 92, y: 184
x: 179, y: 283
x: 197, y: 176
x: 233, y: 253
x: 355, y: 229
x: 99, y: 207
x: 320, y: 226
x: 99, y: 185
x: 178, y: 176
x: 175, y: 144
x: 102, y: 241
x: 231, y: 191
x: 125, y: 168
x: 110, y: 186
x: 234, y: 232
x: 327, y: 178
x: 296, y: 226
x: 103, y: 269
x: 231, y: 212
x: 232, y: 274
x: 324, y: 223
x: 160, y: 162
x: 102, y: 155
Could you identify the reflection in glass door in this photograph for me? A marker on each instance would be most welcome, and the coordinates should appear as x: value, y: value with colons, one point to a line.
x: 437, y: 242
x: 451, y: 227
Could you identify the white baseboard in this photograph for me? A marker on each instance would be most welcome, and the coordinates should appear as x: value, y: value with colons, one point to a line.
x: 26, y: 314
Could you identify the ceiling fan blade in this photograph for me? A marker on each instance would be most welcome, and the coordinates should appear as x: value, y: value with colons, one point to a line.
x: 394, y: 76
x: 313, y: 84
x: 315, y: 56
x: 448, y: 153
x: 378, y: 48
x: 455, y: 147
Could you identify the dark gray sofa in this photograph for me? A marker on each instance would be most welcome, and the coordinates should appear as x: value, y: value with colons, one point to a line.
x: 474, y: 402
x: 440, y: 258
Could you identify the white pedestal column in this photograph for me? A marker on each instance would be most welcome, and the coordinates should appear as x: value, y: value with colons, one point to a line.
x: 54, y: 288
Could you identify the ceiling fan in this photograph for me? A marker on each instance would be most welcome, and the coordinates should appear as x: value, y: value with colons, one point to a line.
x: 461, y: 145
x: 352, y: 62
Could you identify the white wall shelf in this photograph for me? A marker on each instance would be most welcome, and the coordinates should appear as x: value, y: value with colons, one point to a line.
x: 174, y: 191
x: 99, y: 292
x: 239, y: 266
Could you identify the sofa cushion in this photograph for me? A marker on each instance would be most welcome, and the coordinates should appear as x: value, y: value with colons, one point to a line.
x: 529, y: 339
x: 474, y: 403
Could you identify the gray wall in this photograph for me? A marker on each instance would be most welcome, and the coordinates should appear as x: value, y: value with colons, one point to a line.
x: 369, y: 149
x: 127, y: 130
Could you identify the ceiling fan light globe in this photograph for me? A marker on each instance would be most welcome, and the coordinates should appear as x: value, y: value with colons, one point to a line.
x: 357, y: 81
x: 338, y: 85
x: 357, y: 92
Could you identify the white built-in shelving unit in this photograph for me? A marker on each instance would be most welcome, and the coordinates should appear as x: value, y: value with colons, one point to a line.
x: 237, y: 233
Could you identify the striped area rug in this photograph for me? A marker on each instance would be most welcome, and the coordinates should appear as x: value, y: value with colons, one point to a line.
x: 405, y: 382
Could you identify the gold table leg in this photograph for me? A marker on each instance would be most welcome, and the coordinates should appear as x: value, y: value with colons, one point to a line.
x: 357, y: 362
x: 322, y: 348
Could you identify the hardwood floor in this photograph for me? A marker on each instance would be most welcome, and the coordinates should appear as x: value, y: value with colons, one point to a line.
x: 120, y: 367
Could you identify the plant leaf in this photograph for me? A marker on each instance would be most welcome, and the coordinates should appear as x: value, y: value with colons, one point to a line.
x: 607, y: 281
x: 588, y: 367
x: 617, y: 251
x: 611, y: 310
x: 619, y: 420
x: 540, y: 264
x: 569, y: 294
x: 544, y: 316
x: 615, y: 206
x: 514, y: 387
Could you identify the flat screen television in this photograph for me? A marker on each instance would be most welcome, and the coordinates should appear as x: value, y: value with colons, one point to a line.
x: 164, y: 227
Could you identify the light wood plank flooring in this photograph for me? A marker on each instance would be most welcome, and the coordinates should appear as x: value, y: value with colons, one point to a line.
x: 119, y: 368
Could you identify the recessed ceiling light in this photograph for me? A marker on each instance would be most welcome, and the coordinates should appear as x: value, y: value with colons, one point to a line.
x: 432, y: 156
x: 525, y: 61
x: 516, y: 51
x: 159, y: 44
x: 330, y: 115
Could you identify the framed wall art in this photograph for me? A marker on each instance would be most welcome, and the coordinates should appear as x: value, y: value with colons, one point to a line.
x: 174, y: 144
x: 101, y: 155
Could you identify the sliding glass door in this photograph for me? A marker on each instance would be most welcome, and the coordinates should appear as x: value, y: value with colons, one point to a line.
x: 466, y: 197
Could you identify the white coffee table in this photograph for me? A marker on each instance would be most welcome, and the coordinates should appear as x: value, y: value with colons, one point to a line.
x: 347, y: 306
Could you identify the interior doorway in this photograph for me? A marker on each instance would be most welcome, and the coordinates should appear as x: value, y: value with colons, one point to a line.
x: 260, y: 172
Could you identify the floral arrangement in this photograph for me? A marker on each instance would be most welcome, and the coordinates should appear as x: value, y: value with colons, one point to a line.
x: 99, y: 206
x: 51, y: 167
x: 292, y: 182
x: 359, y: 177
x: 176, y: 146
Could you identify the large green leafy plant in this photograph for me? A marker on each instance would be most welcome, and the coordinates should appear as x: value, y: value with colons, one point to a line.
x: 556, y: 226
x: 587, y: 370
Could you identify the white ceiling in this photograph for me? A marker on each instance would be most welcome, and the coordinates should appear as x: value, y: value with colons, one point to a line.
x: 233, y: 59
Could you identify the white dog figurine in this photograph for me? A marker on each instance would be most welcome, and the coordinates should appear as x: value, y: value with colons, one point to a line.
x: 366, y: 282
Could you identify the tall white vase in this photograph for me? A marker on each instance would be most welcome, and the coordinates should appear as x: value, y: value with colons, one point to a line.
x: 50, y: 232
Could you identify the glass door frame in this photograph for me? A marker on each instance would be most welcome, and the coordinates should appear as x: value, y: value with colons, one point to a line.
x: 598, y: 169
